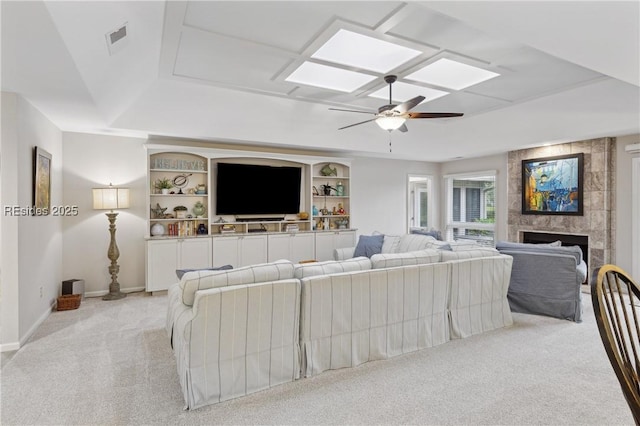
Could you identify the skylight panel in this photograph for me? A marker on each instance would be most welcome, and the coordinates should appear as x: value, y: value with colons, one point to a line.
x: 357, y: 50
x: 312, y: 74
x: 402, y: 92
x: 451, y: 74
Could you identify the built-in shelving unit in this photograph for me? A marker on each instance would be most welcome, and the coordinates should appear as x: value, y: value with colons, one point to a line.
x: 187, y: 174
x: 192, y: 238
x: 331, y: 196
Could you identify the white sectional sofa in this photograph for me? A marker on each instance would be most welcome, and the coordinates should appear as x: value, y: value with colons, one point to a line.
x: 238, y: 331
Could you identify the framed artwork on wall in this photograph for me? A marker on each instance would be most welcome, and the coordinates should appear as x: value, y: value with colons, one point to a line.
x: 553, y: 185
x: 41, y: 182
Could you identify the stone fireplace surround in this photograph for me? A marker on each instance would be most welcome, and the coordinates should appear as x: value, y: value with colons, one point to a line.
x: 597, y: 222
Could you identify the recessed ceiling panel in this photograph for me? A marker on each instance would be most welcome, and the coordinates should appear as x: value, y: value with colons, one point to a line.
x: 319, y: 75
x: 428, y: 26
x: 402, y: 92
x: 231, y: 62
x: 357, y: 50
x: 466, y: 103
x: 289, y: 25
x: 451, y: 74
x: 534, y: 74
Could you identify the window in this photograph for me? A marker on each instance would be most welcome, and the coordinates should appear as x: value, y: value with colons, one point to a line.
x: 471, y: 207
x: 419, y: 198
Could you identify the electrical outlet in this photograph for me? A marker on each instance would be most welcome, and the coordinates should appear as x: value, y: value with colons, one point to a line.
x: 41, y: 292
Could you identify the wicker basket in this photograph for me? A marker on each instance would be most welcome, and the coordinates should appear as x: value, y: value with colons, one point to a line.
x: 67, y: 302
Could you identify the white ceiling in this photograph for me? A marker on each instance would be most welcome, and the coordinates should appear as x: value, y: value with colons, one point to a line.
x: 216, y: 71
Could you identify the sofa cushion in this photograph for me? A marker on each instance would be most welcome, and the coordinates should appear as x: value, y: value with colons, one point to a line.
x: 431, y: 232
x: 193, y: 281
x: 390, y: 244
x: 417, y: 257
x: 462, y: 244
x: 368, y: 245
x: 575, y: 251
x: 413, y: 242
x: 181, y: 272
x: 446, y: 255
x: 303, y: 270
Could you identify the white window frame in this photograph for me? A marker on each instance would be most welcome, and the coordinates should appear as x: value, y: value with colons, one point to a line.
x: 450, y: 225
x: 413, y: 209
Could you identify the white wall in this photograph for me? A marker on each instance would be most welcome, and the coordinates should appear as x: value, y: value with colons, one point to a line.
x: 31, y: 245
x: 623, y: 219
x: 379, y: 193
x: 93, y: 161
x: 499, y: 163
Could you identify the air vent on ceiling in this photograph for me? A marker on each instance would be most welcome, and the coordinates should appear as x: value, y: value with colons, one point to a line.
x: 117, y: 38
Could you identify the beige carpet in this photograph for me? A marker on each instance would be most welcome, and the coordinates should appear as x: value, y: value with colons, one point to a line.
x: 110, y: 363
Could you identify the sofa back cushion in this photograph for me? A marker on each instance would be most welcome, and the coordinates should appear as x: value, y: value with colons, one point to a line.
x: 303, y: 270
x: 417, y: 257
x: 447, y: 255
x: 193, y: 281
x: 413, y: 242
x: 575, y: 251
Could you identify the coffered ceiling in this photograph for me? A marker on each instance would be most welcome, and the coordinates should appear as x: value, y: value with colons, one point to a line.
x: 219, y: 71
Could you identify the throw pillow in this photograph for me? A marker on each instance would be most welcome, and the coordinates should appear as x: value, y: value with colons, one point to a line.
x: 368, y: 245
x: 181, y: 272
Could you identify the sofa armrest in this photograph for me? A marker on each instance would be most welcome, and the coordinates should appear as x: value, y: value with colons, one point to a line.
x: 343, y: 253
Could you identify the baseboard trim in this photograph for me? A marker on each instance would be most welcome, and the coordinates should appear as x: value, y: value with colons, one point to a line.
x: 9, y: 347
x: 103, y: 292
x: 35, y: 326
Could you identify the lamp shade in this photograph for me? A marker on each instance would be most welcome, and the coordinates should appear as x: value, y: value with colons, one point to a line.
x: 390, y: 123
x: 110, y: 198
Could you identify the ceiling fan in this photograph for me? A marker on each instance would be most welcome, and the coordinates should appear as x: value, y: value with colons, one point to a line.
x: 392, y: 117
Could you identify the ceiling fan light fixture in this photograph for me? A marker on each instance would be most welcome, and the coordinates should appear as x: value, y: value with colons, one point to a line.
x: 391, y: 122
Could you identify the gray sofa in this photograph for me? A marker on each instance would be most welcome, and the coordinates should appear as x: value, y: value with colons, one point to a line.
x: 545, y: 279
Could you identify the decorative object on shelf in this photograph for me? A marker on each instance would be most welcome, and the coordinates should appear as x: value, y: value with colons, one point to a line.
x: 202, y: 229
x: 227, y: 229
x: 181, y: 212
x: 315, y: 191
x: 314, y: 210
x: 339, y: 189
x: 325, y: 224
x: 201, y: 188
x: 180, y: 181
x: 340, y: 209
x: 334, y: 210
x: 109, y: 199
x: 157, y: 229
x: 342, y: 223
x: 198, y: 209
x: 163, y: 185
x: 326, y: 170
x: 220, y: 220
x: 326, y: 189
x: 158, y: 212
x: 303, y: 215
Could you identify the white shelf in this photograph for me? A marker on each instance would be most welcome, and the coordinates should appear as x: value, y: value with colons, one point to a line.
x: 177, y: 171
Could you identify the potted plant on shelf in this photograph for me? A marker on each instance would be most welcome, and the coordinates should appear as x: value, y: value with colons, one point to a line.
x: 181, y: 212
x: 164, y: 185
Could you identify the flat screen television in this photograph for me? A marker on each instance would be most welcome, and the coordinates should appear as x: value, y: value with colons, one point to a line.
x: 250, y: 189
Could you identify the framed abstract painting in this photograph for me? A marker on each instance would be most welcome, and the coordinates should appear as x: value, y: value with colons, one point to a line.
x: 553, y: 185
x: 41, y: 182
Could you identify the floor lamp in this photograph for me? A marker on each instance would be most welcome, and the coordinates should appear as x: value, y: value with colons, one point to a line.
x: 109, y: 199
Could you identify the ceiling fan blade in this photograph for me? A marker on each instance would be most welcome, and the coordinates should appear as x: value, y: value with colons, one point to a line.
x: 406, y: 106
x: 434, y: 114
x: 351, y: 125
x: 403, y: 128
x: 352, y: 110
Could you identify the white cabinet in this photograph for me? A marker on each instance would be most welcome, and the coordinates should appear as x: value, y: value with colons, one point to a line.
x: 239, y: 250
x: 292, y: 246
x: 166, y: 255
x: 326, y: 242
